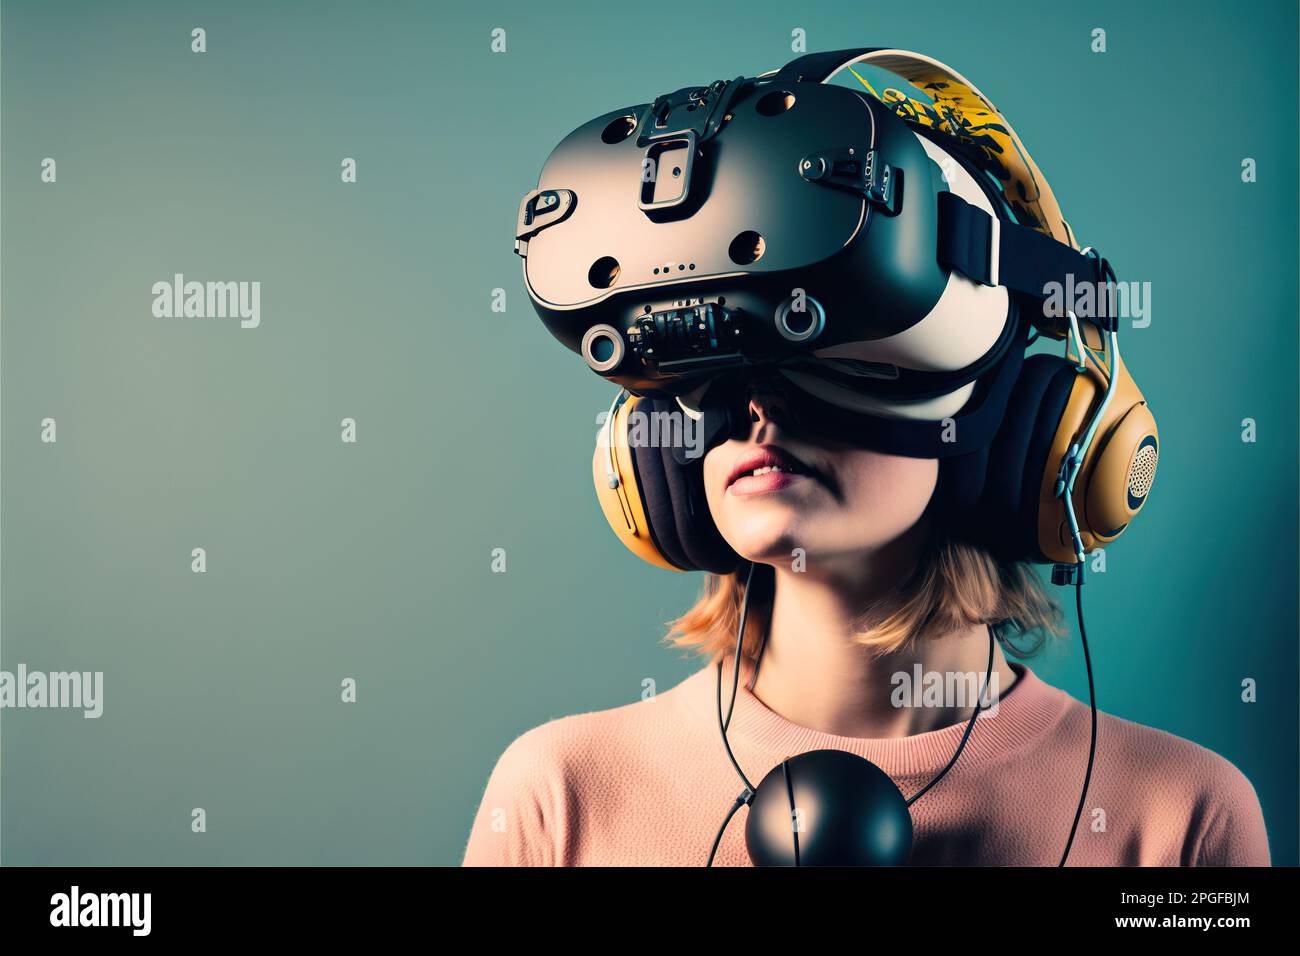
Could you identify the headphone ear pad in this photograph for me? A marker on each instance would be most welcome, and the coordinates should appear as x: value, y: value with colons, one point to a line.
x: 620, y: 494
x: 677, y: 508
x: 1005, y: 519
x: 959, y: 485
x: 700, y: 538
x: 657, y: 501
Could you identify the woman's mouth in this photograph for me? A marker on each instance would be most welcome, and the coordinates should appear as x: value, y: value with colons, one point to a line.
x: 768, y: 469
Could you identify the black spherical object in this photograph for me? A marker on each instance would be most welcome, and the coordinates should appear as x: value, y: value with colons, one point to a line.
x: 847, y: 812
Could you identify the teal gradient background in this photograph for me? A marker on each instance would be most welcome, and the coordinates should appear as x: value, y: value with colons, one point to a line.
x: 372, y: 560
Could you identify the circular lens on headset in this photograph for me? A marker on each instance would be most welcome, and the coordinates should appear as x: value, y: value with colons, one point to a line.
x: 800, y: 319
x: 602, y: 347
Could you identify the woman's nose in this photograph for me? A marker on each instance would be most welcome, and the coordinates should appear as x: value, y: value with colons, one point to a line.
x: 768, y: 405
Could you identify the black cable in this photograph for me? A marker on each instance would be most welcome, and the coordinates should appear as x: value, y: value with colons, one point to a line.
x: 725, y: 742
x: 740, y: 802
x: 723, y: 725
x: 748, y: 793
x: 758, y: 658
x: 970, y: 725
x: 1092, y: 703
x: 789, y: 792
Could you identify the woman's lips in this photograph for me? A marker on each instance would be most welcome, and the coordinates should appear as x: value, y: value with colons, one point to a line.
x: 768, y: 468
x: 762, y: 484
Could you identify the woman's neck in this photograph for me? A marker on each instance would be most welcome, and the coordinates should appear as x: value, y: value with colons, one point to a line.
x: 815, y: 674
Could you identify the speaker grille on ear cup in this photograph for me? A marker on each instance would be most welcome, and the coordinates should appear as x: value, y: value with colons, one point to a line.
x: 1143, y: 471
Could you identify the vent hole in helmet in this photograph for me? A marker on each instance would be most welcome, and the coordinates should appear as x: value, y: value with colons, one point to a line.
x: 618, y: 130
x: 603, y: 272
x: 747, y: 248
x: 774, y: 103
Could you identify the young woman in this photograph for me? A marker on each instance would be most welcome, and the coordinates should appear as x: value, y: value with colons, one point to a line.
x: 858, y: 596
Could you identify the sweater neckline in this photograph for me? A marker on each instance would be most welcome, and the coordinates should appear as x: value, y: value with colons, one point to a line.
x: 1028, y: 710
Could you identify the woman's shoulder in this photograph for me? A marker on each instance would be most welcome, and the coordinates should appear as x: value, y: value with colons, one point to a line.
x: 1170, y: 779
x: 654, y: 717
x: 589, y: 762
x: 1163, y: 758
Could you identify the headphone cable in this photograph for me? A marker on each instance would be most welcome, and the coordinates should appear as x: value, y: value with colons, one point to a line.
x: 1071, y: 465
x: 1092, y: 705
x: 747, y: 794
x: 735, y: 672
x: 970, y: 725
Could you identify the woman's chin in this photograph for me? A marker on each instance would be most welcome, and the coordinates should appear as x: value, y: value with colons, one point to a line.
x: 767, y: 539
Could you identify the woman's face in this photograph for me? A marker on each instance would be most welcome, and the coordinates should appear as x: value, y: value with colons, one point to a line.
x: 779, y: 489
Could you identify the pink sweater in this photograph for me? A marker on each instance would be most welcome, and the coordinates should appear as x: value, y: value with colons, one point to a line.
x: 648, y: 783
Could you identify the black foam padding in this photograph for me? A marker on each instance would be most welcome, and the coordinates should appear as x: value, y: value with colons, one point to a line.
x: 716, y: 425
x: 725, y: 414
x: 672, y: 495
x: 960, y: 484
x: 701, y: 542
x: 976, y: 425
x: 657, y: 502
x: 1007, y: 513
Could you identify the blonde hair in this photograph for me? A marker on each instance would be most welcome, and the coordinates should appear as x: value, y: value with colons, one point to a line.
x: 955, y: 584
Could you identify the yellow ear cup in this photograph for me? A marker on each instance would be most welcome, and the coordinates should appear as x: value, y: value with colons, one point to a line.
x: 1116, y: 473
x: 614, y: 476
x: 1122, y: 477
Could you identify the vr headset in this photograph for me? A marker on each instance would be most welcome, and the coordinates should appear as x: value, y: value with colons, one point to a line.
x: 886, y: 257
